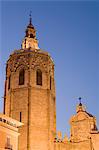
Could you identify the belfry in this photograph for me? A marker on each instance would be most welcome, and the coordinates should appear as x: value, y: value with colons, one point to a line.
x: 30, y: 93
x: 30, y: 40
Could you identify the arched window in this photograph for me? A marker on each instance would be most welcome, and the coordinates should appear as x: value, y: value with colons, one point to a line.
x: 50, y: 83
x: 21, y: 77
x: 38, y: 77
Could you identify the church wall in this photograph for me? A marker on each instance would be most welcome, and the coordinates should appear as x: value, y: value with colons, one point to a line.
x: 20, y: 105
x: 80, y: 127
x: 39, y: 117
x: 95, y: 140
x: 42, y: 115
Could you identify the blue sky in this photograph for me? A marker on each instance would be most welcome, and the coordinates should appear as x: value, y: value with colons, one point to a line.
x: 69, y: 31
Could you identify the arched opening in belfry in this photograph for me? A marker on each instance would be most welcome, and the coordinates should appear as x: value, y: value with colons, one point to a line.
x: 39, y: 77
x: 21, y: 77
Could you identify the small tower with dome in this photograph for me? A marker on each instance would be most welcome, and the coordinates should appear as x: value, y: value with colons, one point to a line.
x: 30, y: 40
x: 82, y: 124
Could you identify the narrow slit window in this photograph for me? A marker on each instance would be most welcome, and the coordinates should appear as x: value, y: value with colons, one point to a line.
x: 8, y: 145
x: 38, y: 77
x: 20, y: 116
x: 50, y: 83
x: 21, y: 77
x: 9, y: 82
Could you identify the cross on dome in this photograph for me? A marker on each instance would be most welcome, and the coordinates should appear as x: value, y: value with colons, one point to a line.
x: 80, y: 104
x: 80, y: 107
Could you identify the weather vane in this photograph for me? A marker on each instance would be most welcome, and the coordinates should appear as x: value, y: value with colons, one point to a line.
x: 30, y: 13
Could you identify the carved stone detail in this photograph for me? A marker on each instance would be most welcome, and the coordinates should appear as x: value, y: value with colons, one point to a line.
x: 30, y: 60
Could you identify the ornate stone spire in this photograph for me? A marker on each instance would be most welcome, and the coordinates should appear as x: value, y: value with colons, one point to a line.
x: 30, y: 40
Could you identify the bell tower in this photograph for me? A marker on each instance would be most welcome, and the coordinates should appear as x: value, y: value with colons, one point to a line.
x: 30, y: 93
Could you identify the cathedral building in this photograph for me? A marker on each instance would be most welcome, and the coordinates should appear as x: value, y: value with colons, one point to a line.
x: 30, y: 104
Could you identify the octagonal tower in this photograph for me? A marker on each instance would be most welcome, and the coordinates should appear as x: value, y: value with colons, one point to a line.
x: 30, y: 93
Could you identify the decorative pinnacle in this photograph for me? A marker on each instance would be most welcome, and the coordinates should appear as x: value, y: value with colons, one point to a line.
x: 30, y: 17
